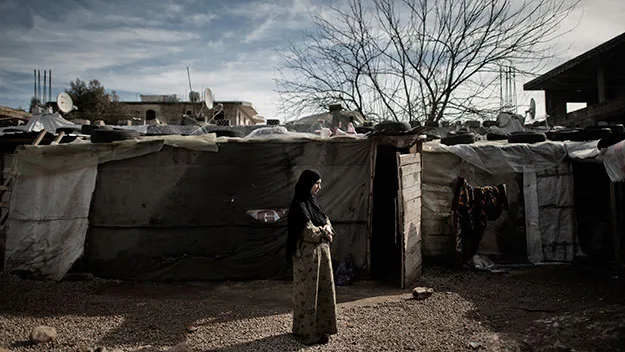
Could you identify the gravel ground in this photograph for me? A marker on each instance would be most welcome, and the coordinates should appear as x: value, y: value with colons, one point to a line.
x: 539, y: 309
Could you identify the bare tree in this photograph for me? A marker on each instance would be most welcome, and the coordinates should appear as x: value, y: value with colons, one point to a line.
x: 416, y: 60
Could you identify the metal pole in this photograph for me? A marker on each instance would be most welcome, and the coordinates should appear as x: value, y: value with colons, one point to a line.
x: 45, y: 79
x: 39, y: 83
x: 35, y: 84
x: 50, y: 86
x: 190, y: 92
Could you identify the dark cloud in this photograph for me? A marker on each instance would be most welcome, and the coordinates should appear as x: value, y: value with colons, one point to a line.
x: 15, y: 14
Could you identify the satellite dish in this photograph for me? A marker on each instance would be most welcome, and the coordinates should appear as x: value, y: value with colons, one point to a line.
x: 208, y: 98
x: 532, y: 109
x: 64, y: 102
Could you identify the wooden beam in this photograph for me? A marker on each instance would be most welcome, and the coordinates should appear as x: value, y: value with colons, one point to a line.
x: 40, y: 137
x: 58, y: 138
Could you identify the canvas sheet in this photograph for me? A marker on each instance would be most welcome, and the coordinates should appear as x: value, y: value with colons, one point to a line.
x: 182, y: 214
x: 548, y: 217
x: 614, y: 161
x: 51, y: 198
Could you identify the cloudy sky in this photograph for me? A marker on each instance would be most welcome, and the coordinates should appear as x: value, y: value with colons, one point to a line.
x: 144, y: 46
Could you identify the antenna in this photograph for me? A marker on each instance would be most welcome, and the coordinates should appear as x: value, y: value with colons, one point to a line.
x: 190, y: 91
x: 45, y: 80
x: 64, y: 102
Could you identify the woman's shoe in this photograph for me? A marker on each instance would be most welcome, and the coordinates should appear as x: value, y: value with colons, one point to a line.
x: 325, y: 338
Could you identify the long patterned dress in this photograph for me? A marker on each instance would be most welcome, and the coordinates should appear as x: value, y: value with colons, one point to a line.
x: 314, y: 297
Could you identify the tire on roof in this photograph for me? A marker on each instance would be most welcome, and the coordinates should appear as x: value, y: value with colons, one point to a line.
x: 466, y: 138
x: 496, y: 136
x: 611, y: 140
x: 108, y: 136
x: 526, y: 137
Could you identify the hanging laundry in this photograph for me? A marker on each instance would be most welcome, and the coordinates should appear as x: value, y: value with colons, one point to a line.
x: 472, y: 208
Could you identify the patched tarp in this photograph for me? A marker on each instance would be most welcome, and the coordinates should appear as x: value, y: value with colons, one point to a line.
x: 170, y: 207
x: 542, y: 207
x: 51, y: 198
x: 183, y: 215
x: 614, y: 161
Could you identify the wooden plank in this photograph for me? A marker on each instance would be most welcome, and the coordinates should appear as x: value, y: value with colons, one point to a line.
x: 410, y: 169
x: 614, y: 224
x: 40, y: 137
x: 57, y: 140
x: 399, y: 221
x: 4, y: 188
x: 410, y: 179
x: 407, y: 159
x: 4, y: 204
x: 411, y: 192
x: 410, y: 221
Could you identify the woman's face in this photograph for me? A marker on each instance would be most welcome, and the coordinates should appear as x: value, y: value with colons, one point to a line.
x: 315, y: 188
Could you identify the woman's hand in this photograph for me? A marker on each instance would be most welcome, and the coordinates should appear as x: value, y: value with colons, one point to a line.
x: 327, y: 228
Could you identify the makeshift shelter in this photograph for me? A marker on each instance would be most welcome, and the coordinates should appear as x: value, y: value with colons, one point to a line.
x: 541, y: 224
x: 187, y: 208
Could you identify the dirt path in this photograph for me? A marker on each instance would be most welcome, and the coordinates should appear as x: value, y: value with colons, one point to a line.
x: 542, y: 309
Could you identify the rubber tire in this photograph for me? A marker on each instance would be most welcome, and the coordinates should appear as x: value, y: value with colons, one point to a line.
x: 69, y: 130
x: 472, y: 124
x: 459, y: 139
x: 526, y: 137
x: 363, y: 129
x: 109, y: 136
x: 592, y: 133
x: 87, y: 129
x: 392, y: 126
x: 496, y: 137
x: 272, y: 122
x: 611, y: 140
x: 562, y: 135
x: 226, y: 133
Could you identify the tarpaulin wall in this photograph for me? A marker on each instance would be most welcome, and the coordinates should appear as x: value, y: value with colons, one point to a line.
x: 181, y: 215
x: 540, y: 225
x: 503, y: 239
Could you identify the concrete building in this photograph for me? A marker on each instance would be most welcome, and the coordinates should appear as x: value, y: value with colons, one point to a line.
x: 10, y: 116
x: 167, y: 109
x: 596, y: 77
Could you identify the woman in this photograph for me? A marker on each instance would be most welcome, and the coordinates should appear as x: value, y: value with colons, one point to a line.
x: 308, y: 245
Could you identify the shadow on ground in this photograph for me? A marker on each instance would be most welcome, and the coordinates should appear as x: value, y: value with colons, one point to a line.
x: 162, y: 315
x: 546, y: 308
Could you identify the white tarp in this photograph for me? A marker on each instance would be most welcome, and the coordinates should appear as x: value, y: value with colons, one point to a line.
x: 550, y: 223
x: 549, y: 216
x: 614, y: 161
x: 51, y: 197
x: 49, y: 122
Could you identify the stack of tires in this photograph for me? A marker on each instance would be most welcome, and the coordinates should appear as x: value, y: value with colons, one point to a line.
x: 607, y: 134
x: 458, y: 137
x: 106, y: 134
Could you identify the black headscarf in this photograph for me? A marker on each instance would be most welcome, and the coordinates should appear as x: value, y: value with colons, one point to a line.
x: 304, y: 207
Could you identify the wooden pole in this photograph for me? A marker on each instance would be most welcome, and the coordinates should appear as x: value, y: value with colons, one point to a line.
x: 614, y: 222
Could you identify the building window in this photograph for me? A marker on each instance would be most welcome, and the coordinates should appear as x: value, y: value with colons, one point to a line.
x: 150, y: 115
